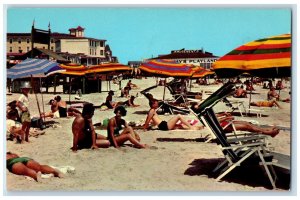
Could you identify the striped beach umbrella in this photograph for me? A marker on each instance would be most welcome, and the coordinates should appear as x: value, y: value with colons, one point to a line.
x: 108, y: 68
x: 269, y: 57
x: 202, y: 72
x: 31, y: 67
x: 74, y: 69
x: 166, y: 68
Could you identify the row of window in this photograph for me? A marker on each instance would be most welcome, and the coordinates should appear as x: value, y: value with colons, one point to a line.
x: 96, y: 43
x: 27, y: 49
x: 27, y: 40
x: 93, y: 52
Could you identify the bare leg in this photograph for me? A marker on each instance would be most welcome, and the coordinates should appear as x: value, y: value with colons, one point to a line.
x: 21, y: 169
x: 102, y: 141
x: 276, y: 103
x: 172, y: 122
x: 121, y: 139
x: 245, y: 126
x: 25, y: 128
x: 45, y: 169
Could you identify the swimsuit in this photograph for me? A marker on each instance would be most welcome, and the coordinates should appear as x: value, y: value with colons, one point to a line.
x: 62, y: 111
x: 88, y: 140
x: 264, y: 103
x: 25, y: 117
x: 12, y: 161
x: 163, y: 126
x: 116, y: 131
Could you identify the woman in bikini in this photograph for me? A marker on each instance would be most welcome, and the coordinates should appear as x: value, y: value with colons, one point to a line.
x: 28, y: 167
x: 119, y: 132
x: 165, y: 125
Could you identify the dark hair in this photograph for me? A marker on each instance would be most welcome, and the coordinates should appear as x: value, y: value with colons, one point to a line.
x: 122, y: 110
x: 88, y: 108
x: 12, y: 113
x: 193, y: 106
x: 111, y: 92
x: 57, y: 98
x: 12, y: 104
x: 50, y: 102
x: 152, y: 101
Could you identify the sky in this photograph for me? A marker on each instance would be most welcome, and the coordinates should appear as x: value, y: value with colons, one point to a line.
x: 136, y: 33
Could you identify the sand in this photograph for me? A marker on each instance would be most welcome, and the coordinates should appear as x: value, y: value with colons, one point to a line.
x: 181, y: 161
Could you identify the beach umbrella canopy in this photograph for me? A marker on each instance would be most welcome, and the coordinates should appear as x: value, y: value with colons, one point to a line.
x: 73, y: 69
x: 33, y: 67
x: 202, y: 72
x: 166, y: 68
x: 269, y: 57
x: 108, y: 68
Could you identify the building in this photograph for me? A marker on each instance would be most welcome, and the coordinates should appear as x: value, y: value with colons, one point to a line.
x: 73, y: 46
x: 195, y: 57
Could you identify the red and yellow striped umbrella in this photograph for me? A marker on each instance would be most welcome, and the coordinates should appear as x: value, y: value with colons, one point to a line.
x: 81, y: 70
x: 166, y: 68
x: 268, y: 57
x: 202, y: 72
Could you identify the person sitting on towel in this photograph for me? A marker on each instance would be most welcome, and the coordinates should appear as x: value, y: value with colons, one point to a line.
x: 63, y: 110
x: 153, y: 118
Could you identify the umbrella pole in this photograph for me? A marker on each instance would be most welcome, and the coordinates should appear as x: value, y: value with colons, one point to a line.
x: 250, y: 96
x: 42, y: 98
x: 37, y: 100
x: 70, y: 87
x: 164, y: 89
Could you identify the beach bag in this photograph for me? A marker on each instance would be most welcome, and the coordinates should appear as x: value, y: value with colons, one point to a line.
x: 105, y: 122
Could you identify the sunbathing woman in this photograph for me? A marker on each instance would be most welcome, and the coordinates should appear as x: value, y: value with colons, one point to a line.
x: 165, y: 125
x: 240, y: 92
x: 117, y: 124
x: 28, y: 167
x: 109, y: 102
x: 63, y: 110
x: 270, y: 103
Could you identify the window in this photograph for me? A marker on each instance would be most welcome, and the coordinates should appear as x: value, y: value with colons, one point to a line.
x: 101, y: 52
x: 52, y: 48
x: 19, y: 40
x: 28, y: 40
x: 10, y: 49
x: 28, y: 48
x: 90, y: 51
x: 20, y: 50
x: 101, y: 43
x: 51, y: 40
x: 10, y: 41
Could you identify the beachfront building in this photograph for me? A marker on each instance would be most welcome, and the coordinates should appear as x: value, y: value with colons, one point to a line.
x: 196, y: 57
x: 73, y: 46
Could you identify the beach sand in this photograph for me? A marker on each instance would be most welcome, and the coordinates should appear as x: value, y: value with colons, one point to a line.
x: 181, y: 161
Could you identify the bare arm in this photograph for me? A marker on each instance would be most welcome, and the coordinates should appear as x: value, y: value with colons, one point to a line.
x: 77, y: 127
x: 149, y: 118
x: 21, y: 106
x: 94, y: 146
x: 111, y: 132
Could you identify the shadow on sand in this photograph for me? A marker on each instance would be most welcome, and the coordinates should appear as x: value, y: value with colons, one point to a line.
x: 253, y: 176
x: 181, y: 139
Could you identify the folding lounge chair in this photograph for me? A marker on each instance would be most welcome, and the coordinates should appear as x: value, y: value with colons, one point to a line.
x: 242, y: 150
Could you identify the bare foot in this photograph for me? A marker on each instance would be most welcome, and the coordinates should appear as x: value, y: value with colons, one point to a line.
x: 58, y: 174
x: 274, y: 132
x: 38, y: 176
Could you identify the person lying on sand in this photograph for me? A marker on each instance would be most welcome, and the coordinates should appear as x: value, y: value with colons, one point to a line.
x: 270, y: 103
x: 225, y: 119
x: 116, y: 124
x: 84, y: 135
x: 28, y: 167
x: 153, y: 118
x: 128, y: 103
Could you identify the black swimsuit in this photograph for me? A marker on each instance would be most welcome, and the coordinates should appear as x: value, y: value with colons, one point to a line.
x: 62, y: 111
x: 163, y: 126
x: 88, y: 140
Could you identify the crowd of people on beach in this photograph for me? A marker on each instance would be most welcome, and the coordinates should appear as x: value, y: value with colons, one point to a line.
x: 118, y: 130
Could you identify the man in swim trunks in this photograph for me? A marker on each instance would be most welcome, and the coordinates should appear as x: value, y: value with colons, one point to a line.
x: 164, y: 125
x: 28, y: 167
x: 84, y: 135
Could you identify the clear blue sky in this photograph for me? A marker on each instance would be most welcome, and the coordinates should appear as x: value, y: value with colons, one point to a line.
x: 138, y: 33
